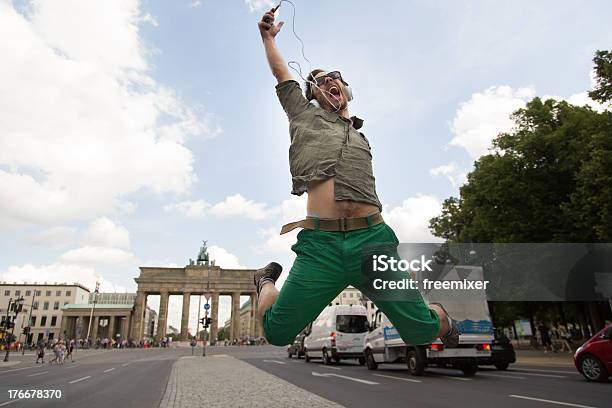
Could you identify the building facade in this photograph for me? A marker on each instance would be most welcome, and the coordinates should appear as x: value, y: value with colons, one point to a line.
x: 352, y: 296
x: 42, y: 307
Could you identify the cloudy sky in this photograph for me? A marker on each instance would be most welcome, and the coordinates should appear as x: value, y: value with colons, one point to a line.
x: 132, y: 130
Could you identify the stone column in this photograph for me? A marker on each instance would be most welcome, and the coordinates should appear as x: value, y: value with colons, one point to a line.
x: 64, y: 327
x: 163, y: 315
x: 214, y: 314
x: 254, y: 319
x: 185, y: 316
x: 111, y: 327
x: 139, y: 310
x: 94, y: 328
x: 235, y: 327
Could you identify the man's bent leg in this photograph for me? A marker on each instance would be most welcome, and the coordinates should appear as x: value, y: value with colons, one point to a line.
x: 315, y: 279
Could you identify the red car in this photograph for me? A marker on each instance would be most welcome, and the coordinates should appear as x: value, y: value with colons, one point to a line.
x: 594, y: 358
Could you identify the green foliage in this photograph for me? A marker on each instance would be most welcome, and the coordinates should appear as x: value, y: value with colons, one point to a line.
x: 548, y: 180
x: 603, y: 71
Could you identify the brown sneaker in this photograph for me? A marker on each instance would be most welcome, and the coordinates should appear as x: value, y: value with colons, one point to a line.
x: 450, y: 339
x: 271, y: 272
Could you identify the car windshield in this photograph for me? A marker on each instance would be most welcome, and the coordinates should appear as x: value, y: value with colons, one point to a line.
x: 351, y: 324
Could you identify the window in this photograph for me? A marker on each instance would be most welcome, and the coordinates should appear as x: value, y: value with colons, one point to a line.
x: 28, y: 293
x: 56, y: 306
x: 58, y: 293
x: 17, y: 292
x: 35, y: 305
x: 33, y: 321
x: 46, y: 306
x: 48, y: 293
x: 351, y: 324
x: 68, y: 293
x: 7, y: 293
x: 43, y: 321
x: 53, y: 321
x: 38, y: 293
x: 351, y: 294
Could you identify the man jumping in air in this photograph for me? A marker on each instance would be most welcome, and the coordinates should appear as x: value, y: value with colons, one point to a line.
x: 332, y: 162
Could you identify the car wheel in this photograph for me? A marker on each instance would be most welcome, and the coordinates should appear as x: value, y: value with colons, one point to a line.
x: 361, y: 360
x: 289, y: 354
x: 326, y: 359
x: 593, y: 369
x: 306, y: 356
x: 469, y: 368
x: 369, y: 359
x: 502, y: 366
x: 416, y: 365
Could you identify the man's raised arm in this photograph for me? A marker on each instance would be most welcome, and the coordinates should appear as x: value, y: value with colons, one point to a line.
x: 268, y: 31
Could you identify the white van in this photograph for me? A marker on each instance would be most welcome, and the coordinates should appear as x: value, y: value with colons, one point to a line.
x: 338, y: 333
x: 383, y: 343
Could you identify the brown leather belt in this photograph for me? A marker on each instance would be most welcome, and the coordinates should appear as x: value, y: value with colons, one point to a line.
x: 334, y: 224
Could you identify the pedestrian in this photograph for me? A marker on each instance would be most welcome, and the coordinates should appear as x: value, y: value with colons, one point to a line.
x: 545, y: 337
x: 71, y: 350
x: 331, y: 161
x: 564, y: 338
x: 40, y: 352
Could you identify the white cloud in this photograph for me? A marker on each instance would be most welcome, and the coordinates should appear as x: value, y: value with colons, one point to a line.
x: 451, y: 172
x: 91, y: 255
x: 224, y: 259
x: 233, y: 206
x: 410, y: 221
x: 238, y: 206
x: 55, y: 237
x: 479, y: 120
x: 101, y: 127
x: 259, y: 5
x: 105, y: 232
x: 292, y: 209
x: 195, y: 3
x: 59, y: 273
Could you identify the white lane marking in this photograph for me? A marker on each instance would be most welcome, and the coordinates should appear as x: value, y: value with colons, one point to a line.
x: 124, y: 365
x: 398, y: 378
x: 274, y: 361
x: 17, y: 369
x: 545, y: 371
x: 10, y: 402
x: 109, y: 370
x: 500, y: 375
x: 540, y: 375
x: 72, y: 366
x: 79, y: 379
x: 34, y: 375
x: 568, y: 404
x: 345, y: 377
x: 455, y: 378
x: 219, y: 355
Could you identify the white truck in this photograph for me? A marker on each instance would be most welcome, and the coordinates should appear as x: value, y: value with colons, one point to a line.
x: 383, y: 343
x: 338, y: 333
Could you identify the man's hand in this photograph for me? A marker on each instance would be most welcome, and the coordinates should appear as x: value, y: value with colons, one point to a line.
x: 267, y: 28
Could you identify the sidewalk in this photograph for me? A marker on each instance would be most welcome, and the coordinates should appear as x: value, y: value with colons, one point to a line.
x: 537, y: 357
x: 221, y: 381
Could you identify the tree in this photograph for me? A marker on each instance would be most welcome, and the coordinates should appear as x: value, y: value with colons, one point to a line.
x: 603, y: 81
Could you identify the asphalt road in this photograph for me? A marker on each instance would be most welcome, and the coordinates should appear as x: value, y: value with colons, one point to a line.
x: 97, y: 378
x: 392, y: 386
x: 138, y: 378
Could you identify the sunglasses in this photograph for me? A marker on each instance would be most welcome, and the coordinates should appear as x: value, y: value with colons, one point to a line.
x: 332, y: 75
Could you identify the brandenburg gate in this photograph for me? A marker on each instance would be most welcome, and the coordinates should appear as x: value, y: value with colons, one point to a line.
x: 198, y: 278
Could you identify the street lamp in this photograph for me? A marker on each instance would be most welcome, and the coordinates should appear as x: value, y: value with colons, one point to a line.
x: 93, y: 308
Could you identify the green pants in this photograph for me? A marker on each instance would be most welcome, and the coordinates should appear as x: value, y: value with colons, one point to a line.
x: 328, y: 262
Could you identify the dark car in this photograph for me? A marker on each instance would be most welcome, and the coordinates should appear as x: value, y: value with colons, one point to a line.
x: 297, y: 347
x: 594, y: 358
x: 502, y: 353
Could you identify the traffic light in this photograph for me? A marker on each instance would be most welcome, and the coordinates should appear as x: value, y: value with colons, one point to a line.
x: 208, y: 321
x: 26, y: 330
x: 203, y: 321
